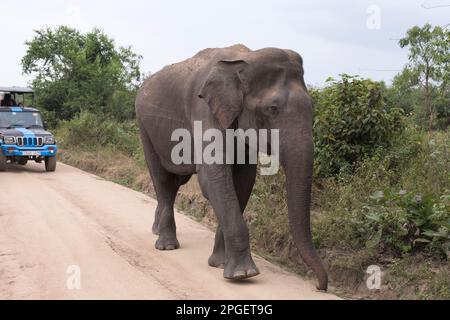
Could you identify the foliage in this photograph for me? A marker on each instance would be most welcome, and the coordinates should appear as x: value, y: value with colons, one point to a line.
x: 396, y: 201
x: 88, y: 131
x: 429, y: 52
x: 405, y: 221
x: 351, y: 121
x: 404, y: 92
x: 429, y: 67
x: 77, y: 72
x: 426, y: 279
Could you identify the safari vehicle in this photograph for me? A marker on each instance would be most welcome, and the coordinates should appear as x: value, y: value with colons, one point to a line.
x: 23, y: 136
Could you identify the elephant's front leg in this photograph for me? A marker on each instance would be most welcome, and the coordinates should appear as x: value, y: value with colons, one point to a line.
x: 244, y: 177
x: 218, y: 181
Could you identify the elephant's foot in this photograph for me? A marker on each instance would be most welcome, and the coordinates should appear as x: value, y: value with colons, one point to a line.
x: 167, y: 243
x: 217, y: 260
x: 240, y: 268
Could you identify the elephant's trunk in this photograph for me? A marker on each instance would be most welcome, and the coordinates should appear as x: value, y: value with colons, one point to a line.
x: 297, y: 159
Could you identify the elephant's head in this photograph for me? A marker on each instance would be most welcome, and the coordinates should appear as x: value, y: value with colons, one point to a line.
x: 265, y: 90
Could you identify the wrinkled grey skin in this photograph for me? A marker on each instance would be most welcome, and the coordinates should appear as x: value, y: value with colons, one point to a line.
x: 232, y: 87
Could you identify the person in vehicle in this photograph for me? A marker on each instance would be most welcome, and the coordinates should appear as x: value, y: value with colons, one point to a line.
x: 4, y: 101
x: 8, y: 101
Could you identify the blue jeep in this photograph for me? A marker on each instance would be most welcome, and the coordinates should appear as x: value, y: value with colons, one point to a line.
x: 22, y: 132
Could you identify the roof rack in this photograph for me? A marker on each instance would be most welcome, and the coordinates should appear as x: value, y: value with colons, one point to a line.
x: 19, y: 90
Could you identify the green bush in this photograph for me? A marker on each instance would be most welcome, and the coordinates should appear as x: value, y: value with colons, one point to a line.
x: 351, y: 121
x: 397, y: 201
x: 404, y: 222
x: 120, y: 105
x: 88, y: 131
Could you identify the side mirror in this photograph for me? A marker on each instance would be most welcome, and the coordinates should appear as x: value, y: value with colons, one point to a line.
x: 45, y: 126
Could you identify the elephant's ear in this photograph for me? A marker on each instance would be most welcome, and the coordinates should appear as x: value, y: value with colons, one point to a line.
x: 223, y: 90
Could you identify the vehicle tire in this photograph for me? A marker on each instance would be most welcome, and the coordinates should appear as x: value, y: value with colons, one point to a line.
x: 2, y: 162
x: 22, y: 161
x: 50, y: 164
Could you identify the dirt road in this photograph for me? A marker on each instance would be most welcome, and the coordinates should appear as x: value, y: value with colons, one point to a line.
x: 72, y: 235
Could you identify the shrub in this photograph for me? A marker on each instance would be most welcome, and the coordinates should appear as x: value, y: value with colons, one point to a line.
x: 88, y: 131
x: 351, y: 121
x: 397, y: 201
x: 404, y: 221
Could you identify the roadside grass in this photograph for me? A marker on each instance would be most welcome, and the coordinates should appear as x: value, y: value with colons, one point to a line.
x: 372, y: 217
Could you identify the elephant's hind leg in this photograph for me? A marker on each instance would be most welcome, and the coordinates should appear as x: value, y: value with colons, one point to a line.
x: 182, y: 180
x: 166, y: 186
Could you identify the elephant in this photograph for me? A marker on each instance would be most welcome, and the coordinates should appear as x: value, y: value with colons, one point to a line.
x: 232, y: 87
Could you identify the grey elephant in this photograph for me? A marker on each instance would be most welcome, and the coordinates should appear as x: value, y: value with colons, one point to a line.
x: 225, y: 88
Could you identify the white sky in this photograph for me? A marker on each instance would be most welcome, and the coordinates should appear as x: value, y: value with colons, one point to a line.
x: 332, y: 36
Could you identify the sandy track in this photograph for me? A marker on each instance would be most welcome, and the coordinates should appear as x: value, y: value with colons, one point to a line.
x: 51, y: 221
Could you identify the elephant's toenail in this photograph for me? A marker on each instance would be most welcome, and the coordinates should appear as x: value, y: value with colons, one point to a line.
x: 252, y: 272
x: 239, y: 274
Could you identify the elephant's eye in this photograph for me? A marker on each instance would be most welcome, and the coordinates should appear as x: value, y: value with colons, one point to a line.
x: 272, y: 110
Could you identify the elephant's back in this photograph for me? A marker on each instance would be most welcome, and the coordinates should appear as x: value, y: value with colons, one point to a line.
x: 159, y: 95
x: 167, y: 93
x: 172, y: 90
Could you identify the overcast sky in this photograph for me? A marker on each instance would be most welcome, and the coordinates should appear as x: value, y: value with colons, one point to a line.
x: 332, y: 36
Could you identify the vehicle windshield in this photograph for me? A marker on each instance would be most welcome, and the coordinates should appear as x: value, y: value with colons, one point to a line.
x: 20, y: 119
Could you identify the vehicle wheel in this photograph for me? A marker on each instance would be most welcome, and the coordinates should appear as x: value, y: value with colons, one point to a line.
x: 50, y: 164
x: 22, y: 161
x: 2, y: 162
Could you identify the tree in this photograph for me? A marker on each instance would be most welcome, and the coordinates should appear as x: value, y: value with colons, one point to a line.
x: 77, y: 72
x: 405, y: 93
x: 429, y: 62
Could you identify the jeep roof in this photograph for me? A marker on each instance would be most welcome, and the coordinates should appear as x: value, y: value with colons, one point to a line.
x: 18, y: 90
